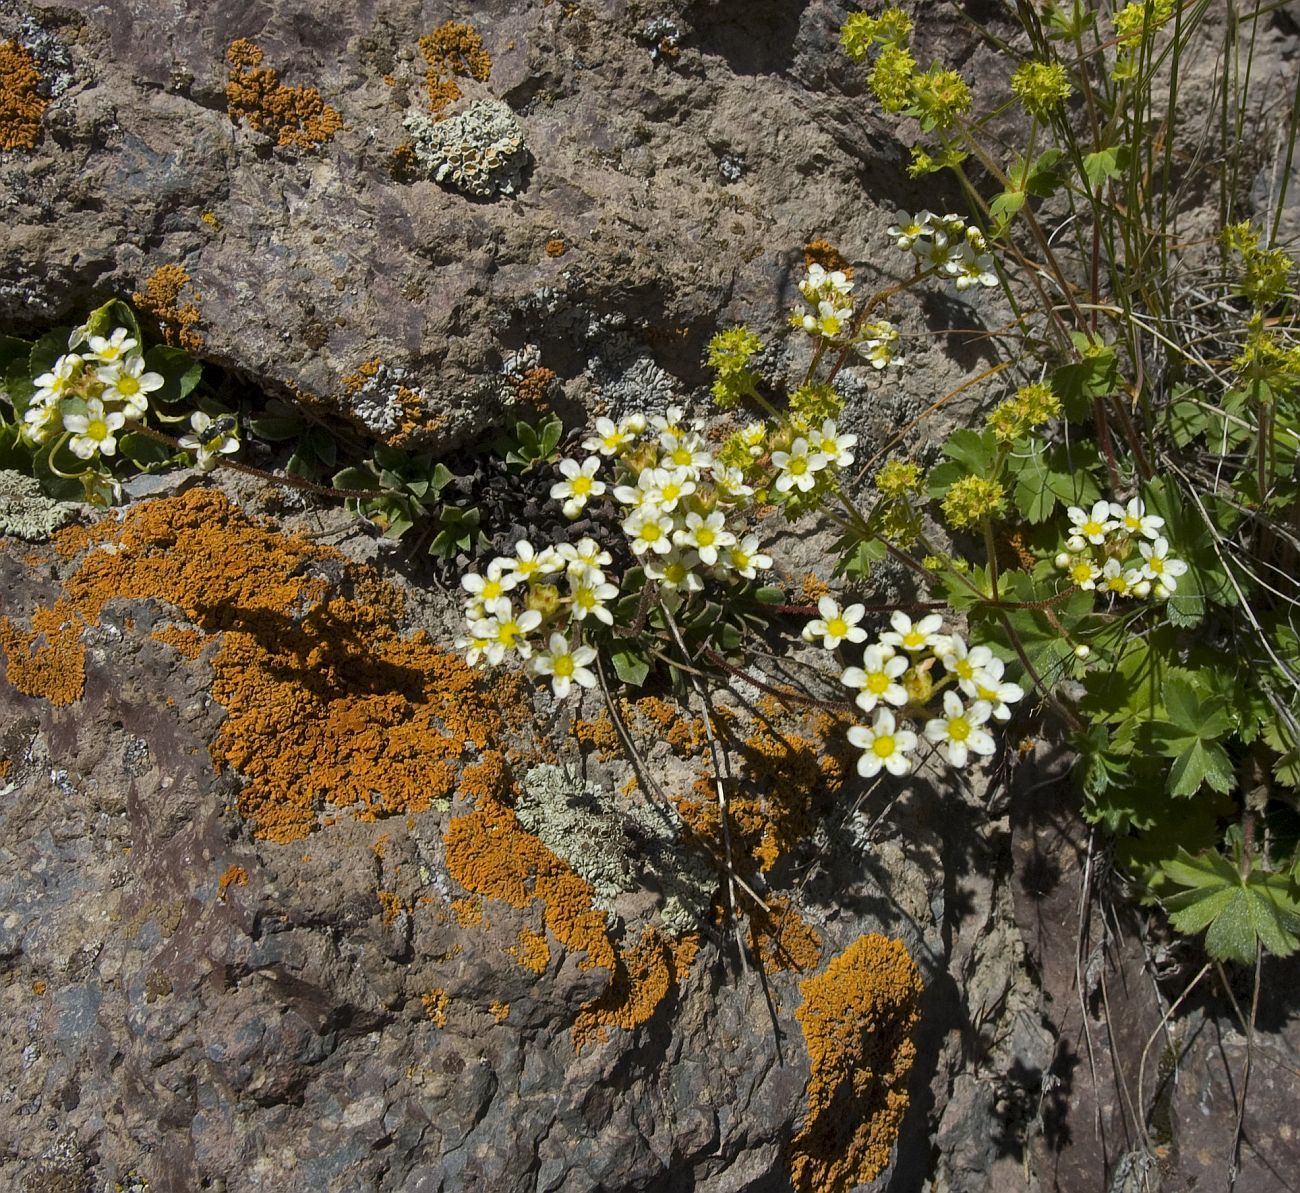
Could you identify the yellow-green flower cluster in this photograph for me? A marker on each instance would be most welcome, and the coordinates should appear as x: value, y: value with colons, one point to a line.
x: 1134, y: 23
x: 899, y: 478
x: 861, y: 31
x: 939, y: 97
x: 971, y: 500
x: 1264, y: 358
x: 730, y: 352
x: 1032, y: 406
x: 890, y: 79
x: 1265, y: 272
x: 1043, y: 88
x: 812, y: 404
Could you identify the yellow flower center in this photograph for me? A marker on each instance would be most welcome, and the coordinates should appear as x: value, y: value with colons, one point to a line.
x: 1090, y: 528
x: 798, y: 465
x: 958, y: 729
x: 652, y: 532
x: 1081, y: 572
x: 914, y: 639
x: 883, y: 746
x: 681, y: 455
x: 675, y: 573
x: 580, y: 486
x: 508, y: 632
x: 964, y: 669
x: 1156, y: 564
x: 704, y: 537
x: 97, y: 429
x: 491, y: 590
x: 877, y: 682
x: 585, y: 598
x: 563, y: 664
x: 739, y: 559
x: 128, y: 385
x: 837, y: 627
x: 670, y: 492
x: 526, y: 567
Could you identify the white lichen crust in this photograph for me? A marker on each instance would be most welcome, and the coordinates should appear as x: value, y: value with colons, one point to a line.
x: 25, y: 512
x: 480, y: 152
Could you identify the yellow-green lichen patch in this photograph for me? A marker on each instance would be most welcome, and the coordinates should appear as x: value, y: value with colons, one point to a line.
x: 296, y: 116
x: 858, y: 1020
x: 21, y: 103
x: 436, y: 1002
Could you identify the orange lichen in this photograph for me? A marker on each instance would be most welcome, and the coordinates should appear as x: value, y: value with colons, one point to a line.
x: 599, y: 735
x: 161, y: 298
x: 684, y: 733
x: 326, y: 702
x: 468, y: 912
x: 210, y: 218
x: 185, y: 641
x: 822, y: 252
x: 499, y: 1010
x: 38, y: 987
x: 21, y: 103
x: 858, y: 1020
x: 366, y: 371
x: 436, y: 1003
x: 555, y: 247
x: 532, y: 951
x: 489, y: 853
x: 6, y: 765
x: 234, y: 875
x: 811, y: 589
x: 452, y: 50
x: 50, y: 661
x: 391, y: 906
x: 645, y: 975
x: 292, y: 115
x: 781, y: 939
x: 379, y: 846
x: 533, y: 386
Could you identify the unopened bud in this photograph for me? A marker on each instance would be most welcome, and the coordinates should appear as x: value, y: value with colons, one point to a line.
x: 1082, y: 652
x: 1062, y: 561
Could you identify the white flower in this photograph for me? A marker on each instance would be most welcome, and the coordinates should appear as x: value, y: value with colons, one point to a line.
x: 970, y: 666
x: 688, y: 453
x: 641, y: 495
x: 473, y: 647
x: 753, y: 436
x: 484, y: 590
x: 1092, y: 525
x: 92, y: 432
x: 1084, y: 572
x: 959, y: 729
x: 666, y: 487
x: 883, y: 745
x: 730, y: 483
x: 589, y: 594
x: 833, y: 446
x: 128, y: 383
x: 585, y: 557
x: 1114, y: 579
x: 565, y: 666
x: 649, y: 530
x: 675, y: 571
x: 911, y: 637
x: 880, y: 340
x: 997, y: 692
x: 706, y: 535
x: 836, y: 625
x: 906, y: 229
x: 528, y: 563
x: 41, y: 421
x: 746, y: 558
x: 51, y: 386
x: 1135, y: 520
x: 580, y: 483
x: 877, y: 678
x: 114, y: 348
x: 797, y: 467
x: 974, y: 268
x: 669, y: 424
x: 505, y: 631
x: 817, y: 283
x: 1159, y: 568
x: 936, y: 252
x: 610, y: 438
x: 209, y: 438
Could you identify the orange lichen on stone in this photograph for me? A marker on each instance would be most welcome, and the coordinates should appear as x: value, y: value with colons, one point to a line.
x: 858, y: 1020
x: 292, y: 115
x: 781, y: 939
x: 555, y: 247
x: 38, y: 987
x: 452, y: 49
x: 532, y: 951
x: 391, y: 906
x: 233, y: 876
x: 6, y: 765
x: 811, y: 589
x: 468, y: 912
x: 489, y: 853
x: 684, y: 733
x: 645, y: 975
x: 436, y: 1003
x: 161, y: 298
x: 379, y: 845
x: 600, y: 735
x: 822, y: 252
x: 355, y: 381
x: 50, y: 661
x: 326, y: 702
x: 21, y: 103
x: 533, y: 386
x: 185, y: 641
x: 499, y: 1010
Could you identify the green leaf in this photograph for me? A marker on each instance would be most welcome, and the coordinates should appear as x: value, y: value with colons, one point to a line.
x: 1200, y: 763
x: 142, y: 451
x: 113, y: 314
x: 631, y: 666
x: 276, y: 428
x: 770, y: 594
x: 15, y: 455
x: 976, y: 450
x: 180, y: 372
x: 1004, y: 206
x: 1105, y: 164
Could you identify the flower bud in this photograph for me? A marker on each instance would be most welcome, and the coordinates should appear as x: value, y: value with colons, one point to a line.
x: 1142, y: 588
x: 1062, y: 561
x: 1082, y: 652
x: 1161, y: 592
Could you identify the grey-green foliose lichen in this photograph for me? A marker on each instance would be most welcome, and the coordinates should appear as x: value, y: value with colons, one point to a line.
x: 480, y: 152
x: 25, y: 512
